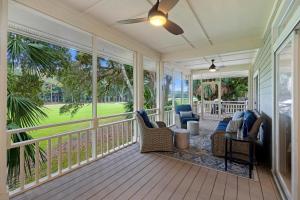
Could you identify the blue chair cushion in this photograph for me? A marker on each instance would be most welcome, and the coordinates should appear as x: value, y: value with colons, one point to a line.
x: 249, y: 120
x: 145, y: 117
x: 222, y: 126
x: 183, y: 108
x: 185, y: 120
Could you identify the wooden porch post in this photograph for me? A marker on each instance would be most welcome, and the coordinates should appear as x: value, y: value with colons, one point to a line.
x: 160, y: 93
x: 3, y: 98
x: 95, y: 99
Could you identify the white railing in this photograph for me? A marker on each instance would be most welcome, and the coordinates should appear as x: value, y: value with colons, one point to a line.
x: 211, y: 108
x: 153, y: 114
x: 69, y: 150
x: 169, y: 116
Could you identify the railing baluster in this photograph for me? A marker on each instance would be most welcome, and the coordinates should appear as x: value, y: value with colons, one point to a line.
x: 59, y: 155
x: 118, y: 136
x: 69, y: 151
x: 78, y: 148
x: 102, y: 143
x: 128, y: 131
x: 22, y: 170
x: 113, y: 137
x: 49, y: 159
x: 107, y: 138
x: 37, y: 162
x: 122, y: 136
x: 87, y: 147
x: 131, y: 130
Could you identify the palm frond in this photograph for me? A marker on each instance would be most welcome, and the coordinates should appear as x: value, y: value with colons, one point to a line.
x: 23, y: 112
x: 13, y: 156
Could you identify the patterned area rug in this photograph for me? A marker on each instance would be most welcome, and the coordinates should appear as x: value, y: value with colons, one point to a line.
x: 199, y: 152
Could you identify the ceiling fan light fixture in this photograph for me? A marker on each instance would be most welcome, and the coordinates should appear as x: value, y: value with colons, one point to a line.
x: 158, y: 19
x: 213, y: 67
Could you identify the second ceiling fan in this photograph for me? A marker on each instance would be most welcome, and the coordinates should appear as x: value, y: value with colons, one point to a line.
x: 158, y: 16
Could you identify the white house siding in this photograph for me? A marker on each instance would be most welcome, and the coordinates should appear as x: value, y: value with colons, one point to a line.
x: 263, y: 64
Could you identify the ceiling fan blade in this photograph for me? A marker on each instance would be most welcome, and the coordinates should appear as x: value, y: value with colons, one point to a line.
x: 173, y: 28
x: 133, y: 21
x: 166, y: 5
x: 154, y: 8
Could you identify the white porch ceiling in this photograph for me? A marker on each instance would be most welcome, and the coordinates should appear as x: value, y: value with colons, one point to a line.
x: 205, y: 22
x: 221, y: 60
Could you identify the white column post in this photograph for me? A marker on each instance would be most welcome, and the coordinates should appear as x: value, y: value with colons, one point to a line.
x: 95, y: 98
x: 191, y: 86
x: 182, y: 79
x: 202, y: 99
x: 219, y: 97
x: 173, y: 94
x: 250, y: 87
x: 3, y: 98
x: 159, y: 93
x: 138, y: 84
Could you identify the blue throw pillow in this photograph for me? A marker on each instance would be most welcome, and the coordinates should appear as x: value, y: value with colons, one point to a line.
x: 186, y: 114
x: 249, y: 120
x: 145, y: 117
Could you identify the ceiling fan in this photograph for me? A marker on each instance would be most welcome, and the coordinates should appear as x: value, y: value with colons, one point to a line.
x: 158, y: 16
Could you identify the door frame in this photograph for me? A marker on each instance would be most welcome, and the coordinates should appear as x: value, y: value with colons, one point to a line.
x: 218, y: 83
x: 293, y: 37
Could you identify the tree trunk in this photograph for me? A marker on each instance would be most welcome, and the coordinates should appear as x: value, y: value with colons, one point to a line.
x: 127, y: 79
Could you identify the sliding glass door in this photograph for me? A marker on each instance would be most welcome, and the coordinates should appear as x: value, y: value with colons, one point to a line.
x: 287, y: 114
x: 284, y: 105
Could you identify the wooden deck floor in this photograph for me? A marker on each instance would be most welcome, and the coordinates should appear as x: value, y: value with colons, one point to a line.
x: 128, y: 174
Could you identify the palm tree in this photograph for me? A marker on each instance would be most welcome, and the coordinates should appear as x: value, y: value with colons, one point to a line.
x: 21, y: 112
x: 26, y: 56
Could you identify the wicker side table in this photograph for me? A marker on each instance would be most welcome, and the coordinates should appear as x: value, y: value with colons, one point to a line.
x: 182, y: 137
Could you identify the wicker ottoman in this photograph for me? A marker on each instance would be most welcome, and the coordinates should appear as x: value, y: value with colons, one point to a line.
x: 181, y: 137
x: 193, y: 127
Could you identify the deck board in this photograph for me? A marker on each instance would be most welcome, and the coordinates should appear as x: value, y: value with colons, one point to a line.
x: 129, y: 174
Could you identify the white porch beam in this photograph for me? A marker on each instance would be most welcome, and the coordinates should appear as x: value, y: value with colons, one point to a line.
x: 218, y: 48
x: 3, y: 98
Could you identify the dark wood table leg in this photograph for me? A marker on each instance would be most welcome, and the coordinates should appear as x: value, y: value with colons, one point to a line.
x: 230, y: 150
x: 250, y: 159
x: 225, y: 154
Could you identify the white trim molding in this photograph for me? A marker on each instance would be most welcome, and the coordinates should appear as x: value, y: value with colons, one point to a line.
x: 3, y: 98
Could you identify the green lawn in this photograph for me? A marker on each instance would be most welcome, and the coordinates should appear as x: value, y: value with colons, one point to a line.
x: 85, y: 112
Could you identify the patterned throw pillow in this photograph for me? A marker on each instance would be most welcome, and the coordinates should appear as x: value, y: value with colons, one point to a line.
x: 234, y: 125
x: 186, y: 114
x: 238, y: 115
x: 154, y: 124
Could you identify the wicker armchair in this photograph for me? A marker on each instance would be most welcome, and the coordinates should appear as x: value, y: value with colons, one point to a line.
x: 154, y: 139
x: 218, y: 142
